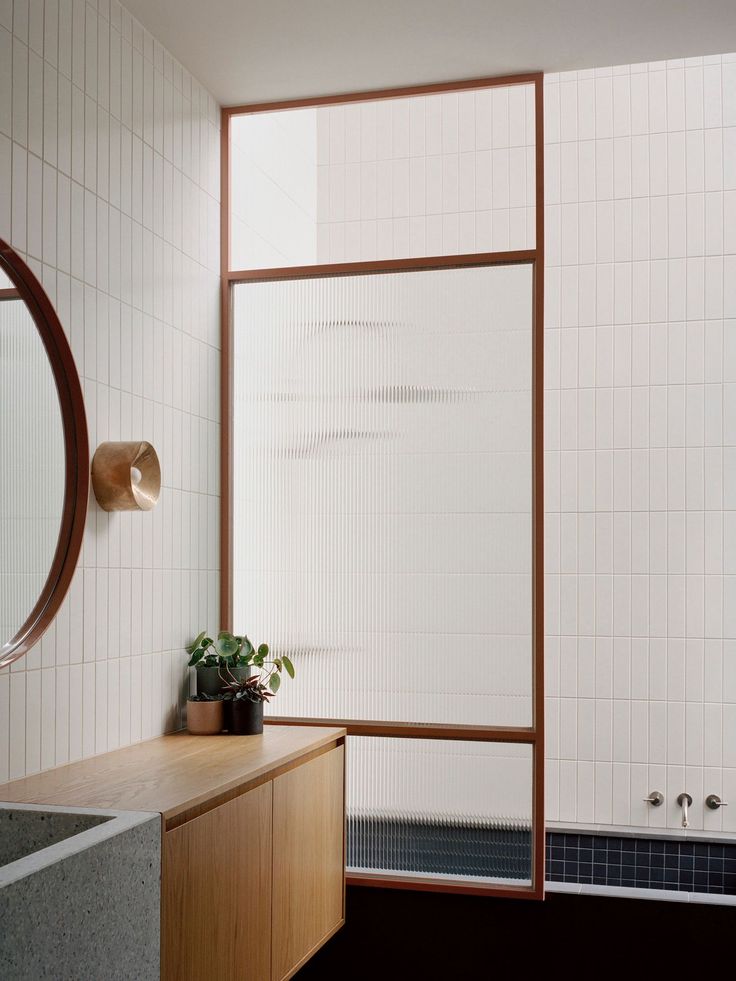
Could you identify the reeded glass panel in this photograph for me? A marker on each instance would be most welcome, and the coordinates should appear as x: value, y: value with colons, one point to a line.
x: 436, y: 174
x: 457, y: 810
x: 383, y: 491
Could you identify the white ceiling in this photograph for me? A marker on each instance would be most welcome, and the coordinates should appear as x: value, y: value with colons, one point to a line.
x: 260, y: 50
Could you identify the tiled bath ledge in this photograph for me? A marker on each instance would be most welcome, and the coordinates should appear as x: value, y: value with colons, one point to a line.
x: 617, y: 831
x: 626, y: 892
x: 687, y: 863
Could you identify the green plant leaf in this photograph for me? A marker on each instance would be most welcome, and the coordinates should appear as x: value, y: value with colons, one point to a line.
x: 207, y: 642
x: 263, y: 650
x: 288, y: 665
x: 196, y: 657
x: 258, y: 660
x: 228, y: 646
x: 274, y: 682
x: 195, y: 643
x: 248, y: 648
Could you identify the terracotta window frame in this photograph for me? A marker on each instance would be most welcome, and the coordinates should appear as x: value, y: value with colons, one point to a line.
x: 532, y: 735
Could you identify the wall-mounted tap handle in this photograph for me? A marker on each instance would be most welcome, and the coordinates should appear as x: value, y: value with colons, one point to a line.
x: 713, y: 801
x: 655, y: 798
x: 685, y: 801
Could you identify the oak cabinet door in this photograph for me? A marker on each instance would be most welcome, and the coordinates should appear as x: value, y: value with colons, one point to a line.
x: 308, y: 859
x: 216, y: 893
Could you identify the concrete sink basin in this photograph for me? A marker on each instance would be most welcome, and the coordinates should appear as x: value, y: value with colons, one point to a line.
x: 79, y: 893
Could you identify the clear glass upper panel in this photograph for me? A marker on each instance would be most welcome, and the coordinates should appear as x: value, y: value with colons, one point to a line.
x: 440, y: 174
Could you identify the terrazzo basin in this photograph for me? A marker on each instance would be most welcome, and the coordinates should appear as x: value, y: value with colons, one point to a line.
x: 24, y: 831
x: 79, y: 893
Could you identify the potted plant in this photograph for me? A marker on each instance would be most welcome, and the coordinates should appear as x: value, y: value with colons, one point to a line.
x: 247, y: 695
x: 205, y: 714
x: 209, y: 657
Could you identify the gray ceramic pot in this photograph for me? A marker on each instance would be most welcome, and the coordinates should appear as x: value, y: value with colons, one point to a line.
x: 209, y: 681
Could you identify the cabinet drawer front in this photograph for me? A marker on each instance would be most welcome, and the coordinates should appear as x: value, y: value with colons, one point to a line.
x: 308, y: 859
x: 216, y: 893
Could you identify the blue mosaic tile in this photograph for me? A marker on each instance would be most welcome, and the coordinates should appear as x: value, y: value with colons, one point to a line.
x: 641, y: 862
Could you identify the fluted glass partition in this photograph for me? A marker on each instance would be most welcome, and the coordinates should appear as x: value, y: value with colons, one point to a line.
x: 382, y: 491
x: 382, y: 458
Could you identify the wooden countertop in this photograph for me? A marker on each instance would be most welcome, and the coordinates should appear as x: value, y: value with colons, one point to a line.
x: 178, y: 775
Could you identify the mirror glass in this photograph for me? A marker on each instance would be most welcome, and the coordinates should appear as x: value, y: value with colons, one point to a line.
x: 33, y: 460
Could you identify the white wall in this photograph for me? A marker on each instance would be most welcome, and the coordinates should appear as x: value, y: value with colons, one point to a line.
x: 109, y: 184
x: 641, y: 441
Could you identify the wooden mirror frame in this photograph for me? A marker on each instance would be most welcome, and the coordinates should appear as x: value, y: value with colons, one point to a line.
x: 76, y: 452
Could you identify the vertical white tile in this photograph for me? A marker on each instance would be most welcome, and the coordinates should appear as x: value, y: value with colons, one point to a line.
x: 33, y: 722
x: 17, y: 727
x: 48, y: 718
x: 5, y: 725
x: 585, y: 792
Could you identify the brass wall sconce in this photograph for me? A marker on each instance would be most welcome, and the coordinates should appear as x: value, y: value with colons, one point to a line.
x: 126, y: 476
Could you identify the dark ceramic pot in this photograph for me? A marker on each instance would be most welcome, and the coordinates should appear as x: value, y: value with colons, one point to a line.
x: 209, y: 681
x: 246, y: 717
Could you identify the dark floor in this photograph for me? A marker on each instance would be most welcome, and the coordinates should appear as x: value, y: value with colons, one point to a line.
x: 396, y: 934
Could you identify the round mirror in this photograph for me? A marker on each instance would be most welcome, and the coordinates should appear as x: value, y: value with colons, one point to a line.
x: 45, y: 458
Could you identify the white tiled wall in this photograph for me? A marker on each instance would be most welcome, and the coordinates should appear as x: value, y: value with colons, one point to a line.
x: 641, y: 441
x: 109, y: 186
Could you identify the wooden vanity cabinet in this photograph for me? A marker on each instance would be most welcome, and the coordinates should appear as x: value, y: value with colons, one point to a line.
x: 216, y: 892
x: 252, y: 888
x: 253, y: 842
x: 307, y: 890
